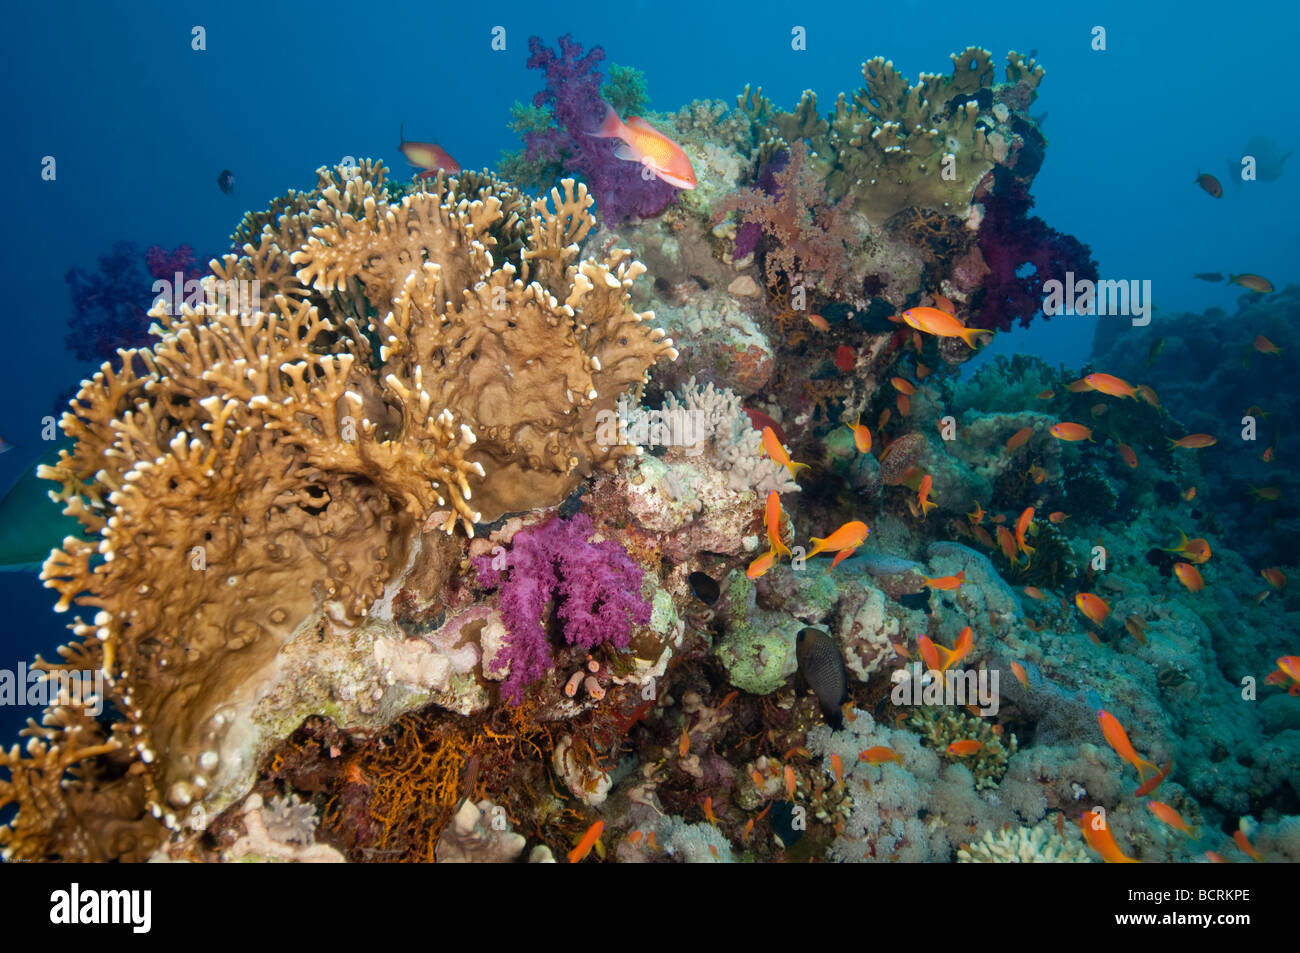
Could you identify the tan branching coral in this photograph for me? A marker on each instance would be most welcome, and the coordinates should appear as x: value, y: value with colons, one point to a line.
x: 256, y: 479
x: 940, y: 727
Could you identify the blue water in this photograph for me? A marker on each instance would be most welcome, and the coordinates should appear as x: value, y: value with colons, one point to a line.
x: 140, y: 125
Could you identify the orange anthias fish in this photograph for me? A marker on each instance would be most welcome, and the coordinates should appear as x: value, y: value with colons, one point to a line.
x: 1022, y: 526
x: 642, y: 142
x: 1189, y: 494
x: 1194, y: 550
x: 1137, y: 628
x: 426, y: 155
x: 1170, y: 816
x: 946, y: 583
x: 1117, y: 738
x: 1018, y: 439
x: 965, y: 748
x: 1058, y: 516
x: 1113, y: 386
x: 778, y: 453
x: 761, y: 565
x: 977, y: 516
x: 1252, y: 283
x: 1147, y: 394
x: 772, y: 518
x: 837, y: 766
x: 684, y: 743
x: 708, y: 811
x: 1033, y: 592
x: 880, y: 754
x: 861, y: 436
x: 941, y: 324
x: 789, y: 781
x: 940, y: 658
x: 1195, y: 441
x: 1274, y: 576
x: 1046, y: 394
x: 588, y: 841
x: 820, y: 323
x: 1038, y: 473
x: 1094, y: 607
x: 1101, y: 840
x: 1265, y: 346
x: 845, y: 539
x: 1007, y: 543
x: 1209, y: 183
x: 1021, y: 675
x: 1242, y: 841
x: 1155, y: 781
x: 903, y: 385
x: 942, y: 303
x: 1071, y: 432
x: 1189, y: 576
x: 1129, y: 456
x: 923, y: 495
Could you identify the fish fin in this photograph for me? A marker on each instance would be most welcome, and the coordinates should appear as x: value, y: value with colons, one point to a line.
x: 968, y: 335
x: 626, y: 152
x: 640, y: 123
x: 401, y: 134
x: 611, y: 127
x: 795, y: 467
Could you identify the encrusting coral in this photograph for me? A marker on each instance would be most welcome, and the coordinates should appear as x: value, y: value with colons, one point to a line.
x: 262, y: 473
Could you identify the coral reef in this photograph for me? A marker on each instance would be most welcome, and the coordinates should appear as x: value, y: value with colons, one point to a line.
x: 1040, y: 844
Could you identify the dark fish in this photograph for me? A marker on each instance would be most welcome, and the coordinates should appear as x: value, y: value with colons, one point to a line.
x: 1209, y: 183
x: 226, y: 181
x: 916, y: 600
x: 1208, y: 276
x: 822, y: 668
x: 783, y: 823
x: 704, y: 586
x: 1157, y: 346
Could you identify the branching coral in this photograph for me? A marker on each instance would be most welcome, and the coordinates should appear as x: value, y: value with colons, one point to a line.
x: 942, y: 726
x: 257, y: 477
x: 1039, y: 844
x: 596, y: 588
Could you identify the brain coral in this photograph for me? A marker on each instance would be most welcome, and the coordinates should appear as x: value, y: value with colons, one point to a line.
x: 266, y: 469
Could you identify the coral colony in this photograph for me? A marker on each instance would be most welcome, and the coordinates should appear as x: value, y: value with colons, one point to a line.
x: 614, y: 508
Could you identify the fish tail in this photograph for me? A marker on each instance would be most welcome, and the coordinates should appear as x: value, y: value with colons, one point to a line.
x: 1141, y: 763
x: 968, y: 335
x: 795, y: 467
x: 781, y: 548
x: 818, y: 546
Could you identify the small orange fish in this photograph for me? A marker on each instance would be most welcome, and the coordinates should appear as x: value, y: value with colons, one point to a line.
x: 650, y: 839
x: 1155, y: 781
x: 749, y: 829
x: 1147, y: 394
x: 1270, y: 493
x: 588, y: 841
x: 1101, y: 840
x: 978, y: 516
x: 946, y: 583
x: 1274, y: 576
x: 684, y: 743
x: 1018, y: 439
x: 922, y: 372
x: 1195, y: 441
x: 1021, y: 675
x: 728, y: 698
x: 772, y: 519
x: 964, y: 748
x: 941, y: 324
x: 708, y: 811
x: 1265, y: 346
x: 1241, y: 840
x: 1215, y: 857
x: 1037, y: 473
x: 1252, y: 283
x: 1094, y: 607
x: 903, y: 385
x: 848, y: 537
x: 861, y: 436
x: 900, y: 650
x: 1070, y: 431
x: 1058, y: 517
x: 1209, y: 183
x: 1169, y: 816
x: 880, y: 754
x: 1033, y: 592
x: 1111, y: 386
x: 820, y: 323
x: 1267, y: 455
x: 942, y: 303
x: 643, y: 143
x: 1189, y: 494
x: 1046, y: 394
x: 923, y: 495
x: 799, y: 750
x: 758, y: 779
x: 983, y: 536
x: 837, y: 766
x: 713, y: 849
x: 789, y: 781
x: 1129, y: 456
x: 778, y: 453
x: 1007, y: 543
x: 904, y: 405
x: 1022, y: 526
x: 635, y: 837
x: 761, y: 565
x: 1194, y: 550
x: 1189, y: 576
x: 940, y: 658
x: 883, y: 419
x: 1260, y: 596
x: 1117, y: 738
x: 1136, y: 628
x: 1079, y: 386
x: 426, y: 155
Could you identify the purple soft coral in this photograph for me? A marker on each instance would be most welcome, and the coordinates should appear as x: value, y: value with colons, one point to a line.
x: 1022, y: 254
x: 596, y: 587
x: 573, y: 93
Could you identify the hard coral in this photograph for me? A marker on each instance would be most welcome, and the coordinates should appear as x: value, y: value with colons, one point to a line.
x: 573, y: 93
x: 596, y: 586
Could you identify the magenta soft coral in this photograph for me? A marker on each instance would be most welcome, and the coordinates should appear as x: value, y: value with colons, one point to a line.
x: 596, y: 590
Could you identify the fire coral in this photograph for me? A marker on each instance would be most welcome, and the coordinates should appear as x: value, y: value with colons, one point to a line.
x: 596, y: 587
